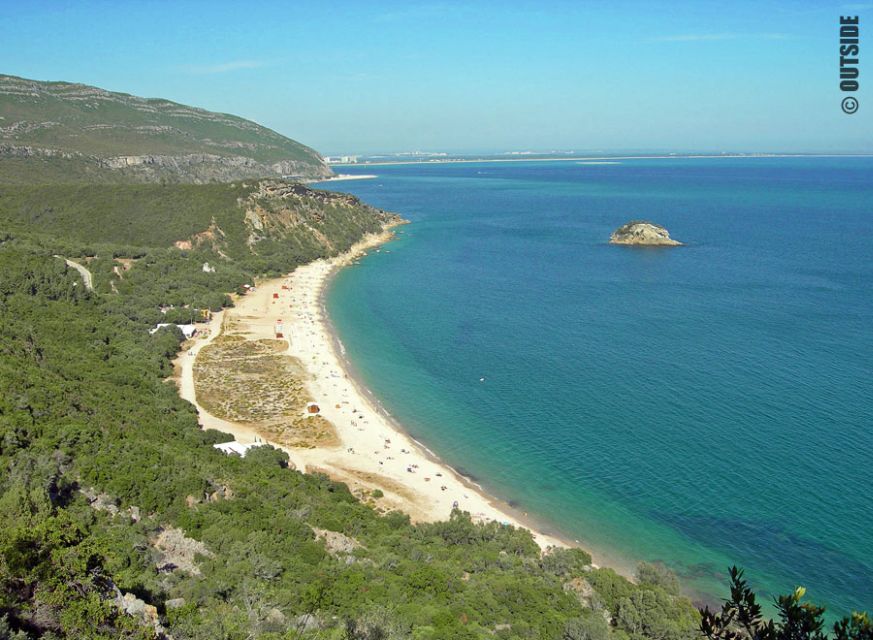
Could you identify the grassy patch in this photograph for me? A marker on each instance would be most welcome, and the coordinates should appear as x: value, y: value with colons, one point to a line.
x: 254, y: 382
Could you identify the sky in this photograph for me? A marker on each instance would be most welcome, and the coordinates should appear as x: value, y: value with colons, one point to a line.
x: 477, y: 76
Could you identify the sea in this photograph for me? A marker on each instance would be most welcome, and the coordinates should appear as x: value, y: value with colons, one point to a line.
x: 701, y: 406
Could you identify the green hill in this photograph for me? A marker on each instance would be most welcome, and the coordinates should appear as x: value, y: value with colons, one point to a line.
x: 118, y: 518
x: 62, y: 132
x: 263, y: 226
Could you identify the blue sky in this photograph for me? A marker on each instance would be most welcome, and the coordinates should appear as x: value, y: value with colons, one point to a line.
x: 368, y: 77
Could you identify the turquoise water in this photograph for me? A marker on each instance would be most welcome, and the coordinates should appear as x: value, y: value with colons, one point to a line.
x: 703, y: 406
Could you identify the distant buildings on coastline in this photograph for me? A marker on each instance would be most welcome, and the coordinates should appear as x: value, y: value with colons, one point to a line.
x: 423, y: 157
x: 341, y: 159
x: 413, y: 155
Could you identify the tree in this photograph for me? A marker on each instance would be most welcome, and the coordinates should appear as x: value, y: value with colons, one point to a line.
x: 7, y: 632
x: 566, y: 562
x: 740, y: 618
x: 657, y: 575
x: 593, y: 627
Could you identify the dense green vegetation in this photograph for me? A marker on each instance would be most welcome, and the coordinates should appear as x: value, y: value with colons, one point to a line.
x: 126, y: 215
x: 89, y: 124
x: 133, y: 221
x: 94, y: 121
x: 85, y: 409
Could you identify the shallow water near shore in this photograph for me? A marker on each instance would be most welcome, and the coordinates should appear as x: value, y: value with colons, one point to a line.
x: 704, y: 405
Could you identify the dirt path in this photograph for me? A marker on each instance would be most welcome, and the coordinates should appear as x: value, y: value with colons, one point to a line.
x: 185, y: 381
x: 86, y: 275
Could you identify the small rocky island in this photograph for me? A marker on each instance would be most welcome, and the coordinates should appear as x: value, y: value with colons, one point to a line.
x: 642, y: 233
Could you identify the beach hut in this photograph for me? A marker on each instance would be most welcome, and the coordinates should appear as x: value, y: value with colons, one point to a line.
x: 188, y: 330
x: 312, y: 409
x: 234, y: 448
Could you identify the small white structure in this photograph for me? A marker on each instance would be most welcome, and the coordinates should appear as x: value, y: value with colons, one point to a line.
x: 207, y: 268
x: 188, y: 330
x: 235, y: 448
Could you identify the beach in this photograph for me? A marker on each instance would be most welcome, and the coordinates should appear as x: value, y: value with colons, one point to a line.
x: 617, y: 378
x: 373, y: 452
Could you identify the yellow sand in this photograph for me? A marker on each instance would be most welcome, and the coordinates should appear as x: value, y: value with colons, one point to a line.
x: 373, y: 452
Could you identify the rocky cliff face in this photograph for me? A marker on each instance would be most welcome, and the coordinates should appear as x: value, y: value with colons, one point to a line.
x: 278, y: 210
x: 118, y: 137
x: 192, y: 168
x: 200, y: 168
x: 641, y: 233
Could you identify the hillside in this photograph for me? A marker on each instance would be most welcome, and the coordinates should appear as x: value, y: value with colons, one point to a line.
x: 265, y: 226
x: 62, y: 132
x: 118, y: 518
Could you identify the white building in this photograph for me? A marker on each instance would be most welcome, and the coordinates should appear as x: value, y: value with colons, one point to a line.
x: 188, y: 330
x: 235, y: 448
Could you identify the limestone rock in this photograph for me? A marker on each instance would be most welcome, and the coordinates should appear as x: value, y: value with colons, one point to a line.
x: 177, y: 551
x: 336, y: 543
x: 642, y: 233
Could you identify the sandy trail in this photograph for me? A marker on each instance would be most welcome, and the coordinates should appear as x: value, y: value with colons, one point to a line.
x: 83, y: 271
x: 373, y: 453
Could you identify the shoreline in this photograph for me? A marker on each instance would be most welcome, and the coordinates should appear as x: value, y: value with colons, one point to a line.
x: 374, y: 450
x: 515, y: 515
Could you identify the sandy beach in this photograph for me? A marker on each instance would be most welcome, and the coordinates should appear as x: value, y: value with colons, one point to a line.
x: 373, y: 451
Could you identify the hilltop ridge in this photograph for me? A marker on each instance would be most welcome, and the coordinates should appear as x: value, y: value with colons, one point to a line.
x: 62, y: 131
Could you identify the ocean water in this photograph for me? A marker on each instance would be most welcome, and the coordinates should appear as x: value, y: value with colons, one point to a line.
x: 703, y: 406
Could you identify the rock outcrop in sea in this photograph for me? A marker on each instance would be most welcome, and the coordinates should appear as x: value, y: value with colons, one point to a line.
x: 642, y: 233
